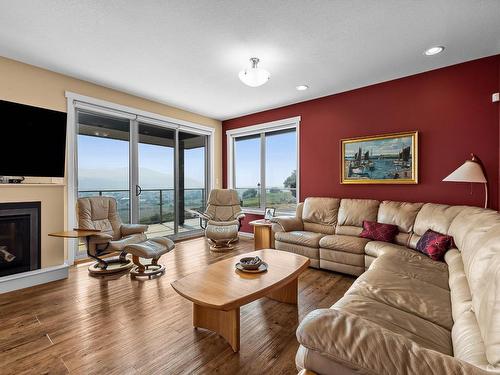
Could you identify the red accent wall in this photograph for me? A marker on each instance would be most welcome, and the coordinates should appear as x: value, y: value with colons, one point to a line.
x: 450, y: 107
x: 245, y: 227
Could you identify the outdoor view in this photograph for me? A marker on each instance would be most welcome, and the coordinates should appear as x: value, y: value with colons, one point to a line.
x: 103, y: 169
x: 280, y: 170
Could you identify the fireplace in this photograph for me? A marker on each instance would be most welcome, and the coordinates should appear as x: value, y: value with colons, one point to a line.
x: 19, y: 237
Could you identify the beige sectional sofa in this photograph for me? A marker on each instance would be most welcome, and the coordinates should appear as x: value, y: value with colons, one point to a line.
x: 406, y: 314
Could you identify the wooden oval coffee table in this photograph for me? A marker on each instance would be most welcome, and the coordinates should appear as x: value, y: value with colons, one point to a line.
x: 219, y: 290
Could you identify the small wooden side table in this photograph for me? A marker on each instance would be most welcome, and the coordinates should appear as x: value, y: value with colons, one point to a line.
x: 101, y: 267
x: 262, y: 234
x: 77, y: 233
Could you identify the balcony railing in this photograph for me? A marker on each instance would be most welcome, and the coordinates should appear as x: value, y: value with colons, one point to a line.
x: 283, y: 199
x: 155, y: 205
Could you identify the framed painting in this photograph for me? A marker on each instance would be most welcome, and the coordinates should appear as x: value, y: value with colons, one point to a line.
x: 381, y: 159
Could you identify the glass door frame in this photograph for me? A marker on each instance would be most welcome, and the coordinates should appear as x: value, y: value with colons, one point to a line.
x: 77, y: 102
x: 134, y: 170
x: 134, y: 166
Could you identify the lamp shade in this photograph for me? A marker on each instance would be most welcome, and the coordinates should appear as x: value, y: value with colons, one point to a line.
x: 470, y: 171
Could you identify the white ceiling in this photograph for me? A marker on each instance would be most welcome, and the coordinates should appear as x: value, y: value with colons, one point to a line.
x: 187, y: 53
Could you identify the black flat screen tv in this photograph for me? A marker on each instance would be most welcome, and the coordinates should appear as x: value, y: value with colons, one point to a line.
x: 32, y: 141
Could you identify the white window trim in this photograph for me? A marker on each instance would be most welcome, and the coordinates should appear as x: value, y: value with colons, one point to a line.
x: 287, y: 123
x: 76, y: 101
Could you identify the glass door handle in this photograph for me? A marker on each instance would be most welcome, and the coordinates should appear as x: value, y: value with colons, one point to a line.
x: 138, y: 190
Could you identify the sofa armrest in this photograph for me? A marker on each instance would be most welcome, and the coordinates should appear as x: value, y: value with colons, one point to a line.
x: 286, y: 223
x: 366, y: 347
x: 128, y: 229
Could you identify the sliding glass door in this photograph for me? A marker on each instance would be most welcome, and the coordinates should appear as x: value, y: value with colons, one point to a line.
x: 155, y: 190
x: 155, y: 171
x: 103, y: 159
x: 192, y: 179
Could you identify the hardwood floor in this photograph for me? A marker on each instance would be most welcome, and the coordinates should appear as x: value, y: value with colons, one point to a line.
x: 115, y: 325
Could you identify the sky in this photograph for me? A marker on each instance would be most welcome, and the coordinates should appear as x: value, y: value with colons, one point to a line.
x: 378, y: 147
x: 104, y: 162
x: 281, y: 160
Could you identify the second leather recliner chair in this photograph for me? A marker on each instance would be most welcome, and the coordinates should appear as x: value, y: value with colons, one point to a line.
x: 222, y: 219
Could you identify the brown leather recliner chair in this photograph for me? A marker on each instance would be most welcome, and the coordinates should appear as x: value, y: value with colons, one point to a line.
x: 222, y: 219
x: 100, y: 213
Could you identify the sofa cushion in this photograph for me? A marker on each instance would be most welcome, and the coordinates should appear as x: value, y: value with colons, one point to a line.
x: 348, y: 244
x: 348, y: 230
x: 434, y: 244
x: 378, y: 231
x: 353, y: 211
x: 320, y: 214
x: 310, y: 252
x: 342, y: 257
x: 368, y: 261
x: 286, y: 224
x: 486, y: 306
x: 407, y: 266
x: 461, y: 299
x: 468, y: 344
x: 402, y: 214
x: 437, y: 217
x: 347, y: 269
x: 313, y: 360
x: 478, y: 259
x: 423, y: 332
x: 320, y: 210
x: 377, y: 248
x: 408, y: 294
x: 469, y: 226
x: 299, y: 237
x: 364, y: 347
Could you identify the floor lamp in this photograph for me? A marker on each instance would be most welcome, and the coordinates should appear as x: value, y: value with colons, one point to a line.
x: 470, y: 171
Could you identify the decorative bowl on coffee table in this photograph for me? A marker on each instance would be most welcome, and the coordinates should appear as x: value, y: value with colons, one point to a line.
x: 250, y: 263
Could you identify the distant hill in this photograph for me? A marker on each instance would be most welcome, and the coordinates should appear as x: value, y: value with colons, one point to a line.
x: 116, y: 179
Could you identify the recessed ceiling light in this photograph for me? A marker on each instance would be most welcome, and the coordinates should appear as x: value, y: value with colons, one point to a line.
x: 302, y: 87
x: 434, y: 50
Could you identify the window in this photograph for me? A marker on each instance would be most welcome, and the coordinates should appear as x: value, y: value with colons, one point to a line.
x: 263, y: 165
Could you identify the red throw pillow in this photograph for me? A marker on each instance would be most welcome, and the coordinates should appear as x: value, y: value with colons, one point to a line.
x: 434, y: 244
x: 378, y: 231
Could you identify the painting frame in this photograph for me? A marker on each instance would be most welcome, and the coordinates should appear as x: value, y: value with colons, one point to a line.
x: 345, y: 179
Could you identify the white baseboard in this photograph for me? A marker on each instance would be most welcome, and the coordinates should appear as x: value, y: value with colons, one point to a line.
x: 32, y: 278
x: 245, y: 234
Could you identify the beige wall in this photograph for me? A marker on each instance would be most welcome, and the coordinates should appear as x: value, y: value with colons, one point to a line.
x: 38, y: 87
x: 52, y: 215
x: 30, y: 85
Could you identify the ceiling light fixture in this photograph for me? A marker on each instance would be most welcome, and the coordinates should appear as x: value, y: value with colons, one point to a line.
x: 254, y: 76
x: 434, y: 50
x: 302, y: 87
